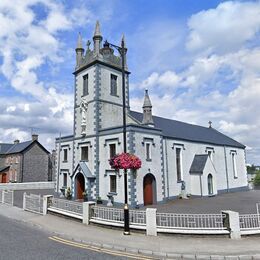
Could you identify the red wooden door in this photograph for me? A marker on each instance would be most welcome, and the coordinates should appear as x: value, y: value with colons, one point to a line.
x: 4, y: 178
x: 80, y: 185
x: 148, y: 190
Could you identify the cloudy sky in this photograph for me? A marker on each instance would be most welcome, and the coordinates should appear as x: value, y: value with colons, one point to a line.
x: 199, y: 59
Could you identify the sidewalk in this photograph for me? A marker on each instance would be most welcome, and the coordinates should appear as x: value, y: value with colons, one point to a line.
x: 171, y: 246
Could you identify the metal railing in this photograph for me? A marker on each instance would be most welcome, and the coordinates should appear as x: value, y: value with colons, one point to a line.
x: 66, y: 207
x: 33, y: 203
x: 136, y: 217
x: 249, y: 221
x: 190, y: 221
x: 8, y: 197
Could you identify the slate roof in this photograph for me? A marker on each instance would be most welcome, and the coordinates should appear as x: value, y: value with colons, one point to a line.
x: 2, y: 169
x: 198, y: 163
x: 86, y: 171
x: 4, y: 147
x: 184, y: 131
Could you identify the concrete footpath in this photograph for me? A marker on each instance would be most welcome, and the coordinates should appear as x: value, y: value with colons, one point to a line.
x: 162, y: 246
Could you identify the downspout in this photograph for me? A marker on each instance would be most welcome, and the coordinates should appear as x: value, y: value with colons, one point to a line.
x: 22, y: 167
x: 58, y: 173
x: 225, y: 153
x: 166, y: 167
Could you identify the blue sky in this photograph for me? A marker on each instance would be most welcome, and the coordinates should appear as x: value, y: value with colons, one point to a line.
x: 200, y: 61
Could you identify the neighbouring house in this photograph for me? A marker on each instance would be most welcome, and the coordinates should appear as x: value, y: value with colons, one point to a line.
x: 24, y: 161
x: 175, y: 155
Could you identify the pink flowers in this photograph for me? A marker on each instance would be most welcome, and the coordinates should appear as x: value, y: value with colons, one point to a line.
x: 125, y: 161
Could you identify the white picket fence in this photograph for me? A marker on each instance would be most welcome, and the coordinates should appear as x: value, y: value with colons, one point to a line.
x: 33, y: 203
x: 7, y: 197
x: 66, y: 207
x: 28, y: 185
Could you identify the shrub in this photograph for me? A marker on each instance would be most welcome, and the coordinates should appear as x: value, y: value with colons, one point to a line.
x: 257, y: 179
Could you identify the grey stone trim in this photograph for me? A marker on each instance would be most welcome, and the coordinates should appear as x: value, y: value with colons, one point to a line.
x: 132, y: 192
x: 104, y: 101
x: 162, y: 167
x: 178, y: 145
x: 84, y: 143
x: 146, y: 139
x: 112, y: 140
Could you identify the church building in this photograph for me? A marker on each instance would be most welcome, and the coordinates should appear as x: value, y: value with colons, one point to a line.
x: 176, y: 156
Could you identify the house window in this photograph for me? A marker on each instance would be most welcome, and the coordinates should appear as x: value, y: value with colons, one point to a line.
x: 178, y: 164
x: 65, y: 181
x: 112, y: 183
x: 112, y: 150
x: 113, y: 85
x: 65, y: 155
x: 85, y: 85
x: 148, y: 151
x: 84, y: 153
x: 234, y: 165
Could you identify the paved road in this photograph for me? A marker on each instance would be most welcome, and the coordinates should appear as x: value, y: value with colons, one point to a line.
x: 19, y: 241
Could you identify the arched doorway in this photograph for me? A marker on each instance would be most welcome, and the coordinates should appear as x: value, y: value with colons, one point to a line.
x: 80, y: 185
x: 210, y: 184
x: 149, y: 188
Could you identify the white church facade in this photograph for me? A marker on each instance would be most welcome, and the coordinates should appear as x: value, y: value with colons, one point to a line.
x: 175, y: 155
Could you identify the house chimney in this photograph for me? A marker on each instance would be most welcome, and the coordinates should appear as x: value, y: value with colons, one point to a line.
x: 34, y: 137
x: 16, y: 141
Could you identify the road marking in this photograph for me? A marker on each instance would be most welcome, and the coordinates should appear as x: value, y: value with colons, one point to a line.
x: 98, y: 249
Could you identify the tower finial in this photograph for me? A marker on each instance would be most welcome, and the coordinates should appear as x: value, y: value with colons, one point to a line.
x: 123, y: 39
x: 147, y: 110
x: 97, y: 29
x: 97, y: 38
x: 210, y: 124
x: 79, y: 43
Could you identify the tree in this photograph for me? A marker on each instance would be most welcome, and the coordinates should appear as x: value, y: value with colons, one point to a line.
x: 257, y: 179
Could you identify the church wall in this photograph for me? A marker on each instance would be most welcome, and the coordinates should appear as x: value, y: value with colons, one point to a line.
x: 65, y: 166
x: 189, y: 150
x: 154, y: 166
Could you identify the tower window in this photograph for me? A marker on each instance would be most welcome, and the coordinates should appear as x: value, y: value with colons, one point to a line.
x: 84, y: 153
x: 112, y: 150
x: 85, y: 85
x: 112, y: 183
x: 178, y: 164
x: 113, y: 85
x: 148, y: 151
x: 65, y: 155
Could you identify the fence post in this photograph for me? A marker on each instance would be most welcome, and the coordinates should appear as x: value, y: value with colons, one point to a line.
x: 87, y: 212
x: 45, y: 204
x: 151, y: 227
x: 24, y: 200
x: 232, y: 223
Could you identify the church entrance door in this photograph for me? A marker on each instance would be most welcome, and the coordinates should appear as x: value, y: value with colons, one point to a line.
x: 149, y: 188
x: 80, y: 185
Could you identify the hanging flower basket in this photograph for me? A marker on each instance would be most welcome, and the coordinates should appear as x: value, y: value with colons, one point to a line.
x: 125, y: 161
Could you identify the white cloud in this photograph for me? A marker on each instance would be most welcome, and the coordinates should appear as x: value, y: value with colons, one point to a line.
x: 225, y: 28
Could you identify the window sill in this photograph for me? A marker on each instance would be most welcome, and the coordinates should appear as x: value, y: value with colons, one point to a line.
x: 235, y: 177
x: 148, y: 160
x: 85, y: 95
x: 114, y: 95
x: 112, y: 193
x: 180, y: 181
x: 64, y: 161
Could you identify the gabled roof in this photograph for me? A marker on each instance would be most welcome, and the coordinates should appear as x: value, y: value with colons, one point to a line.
x: 83, y: 167
x: 4, y: 168
x: 4, y: 147
x: 184, y: 131
x: 18, y: 148
x: 198, y: 163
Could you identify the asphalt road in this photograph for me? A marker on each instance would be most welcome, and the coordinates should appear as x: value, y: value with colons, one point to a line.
x: 20, y: 241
